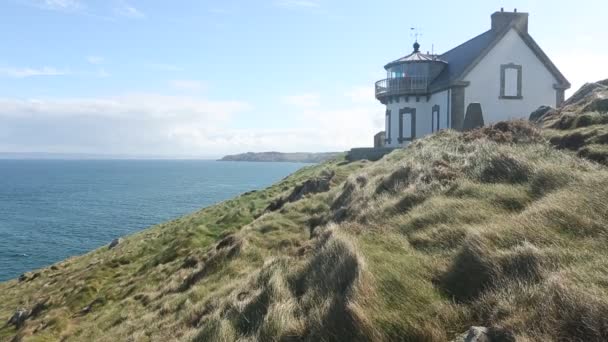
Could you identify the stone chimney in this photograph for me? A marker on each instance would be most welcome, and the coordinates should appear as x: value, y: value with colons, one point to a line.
x: 502, y: 19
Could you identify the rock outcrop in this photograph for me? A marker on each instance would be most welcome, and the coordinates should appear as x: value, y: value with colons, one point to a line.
x: 538, y: 114
x: 114, y: 243
x: 483, y: 334
x: 473, y: 118
x: 18, y: 318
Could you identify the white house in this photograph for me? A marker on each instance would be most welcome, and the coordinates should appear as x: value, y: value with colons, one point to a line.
x: 503, y: 70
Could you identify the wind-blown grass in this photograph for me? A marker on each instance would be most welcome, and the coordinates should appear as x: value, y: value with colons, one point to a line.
x: 454, y: 231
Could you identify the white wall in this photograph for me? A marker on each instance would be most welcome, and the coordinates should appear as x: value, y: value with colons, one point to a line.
x: 423, y: 115
x: 537, y: 81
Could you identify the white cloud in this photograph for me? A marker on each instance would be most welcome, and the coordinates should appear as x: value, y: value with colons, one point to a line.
x: 187, y: 85
x: 361, y: 94
x: 31, y: 72
x: 125, y: 9
x: 152, y: 124
x: 95, y: 60
x: 302, y: 100
x: 102, y: 73
x: 58, y: 5
x: 298, y: 3
x: 128, y: 124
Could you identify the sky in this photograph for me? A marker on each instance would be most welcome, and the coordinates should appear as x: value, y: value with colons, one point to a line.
x: 203, y: 78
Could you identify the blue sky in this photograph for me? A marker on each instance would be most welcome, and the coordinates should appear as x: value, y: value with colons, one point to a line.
x: 204, y: 78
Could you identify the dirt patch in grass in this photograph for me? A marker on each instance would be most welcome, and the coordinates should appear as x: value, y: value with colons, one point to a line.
x: 506, y: 132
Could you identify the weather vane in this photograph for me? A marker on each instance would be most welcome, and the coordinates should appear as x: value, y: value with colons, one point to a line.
x: 415, y: 33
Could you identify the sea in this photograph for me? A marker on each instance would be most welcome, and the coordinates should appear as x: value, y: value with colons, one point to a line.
x: 54, y: 209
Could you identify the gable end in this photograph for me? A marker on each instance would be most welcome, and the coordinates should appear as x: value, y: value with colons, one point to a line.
x: 562, y: 82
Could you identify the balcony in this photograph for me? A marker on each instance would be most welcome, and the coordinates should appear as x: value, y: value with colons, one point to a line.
x: 402, y: 86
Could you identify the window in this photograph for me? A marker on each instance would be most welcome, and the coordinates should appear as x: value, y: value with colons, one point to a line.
x: 407, y: 124
x: 510, y: 81
x: 387, y: 127
x: 435, y: 119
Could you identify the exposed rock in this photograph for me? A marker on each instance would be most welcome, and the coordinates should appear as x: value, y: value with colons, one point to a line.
x: 483, y: 334
x: 38, y: 308
x: 114, y: 243
x: 311, y: 186
x: 18, y: 318
x: 89, y: 308
x: 540, y: 113
x: 86, y: 310
x: 28, y: 277
x: 473, y: 118
x: 475, y: 334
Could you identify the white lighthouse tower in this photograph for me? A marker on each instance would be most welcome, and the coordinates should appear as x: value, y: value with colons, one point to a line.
x: 411, y: 110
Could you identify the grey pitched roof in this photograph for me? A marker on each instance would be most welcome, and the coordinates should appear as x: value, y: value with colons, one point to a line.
x: 415, y: 57
x: 460, y: 57
x: 464, y: 57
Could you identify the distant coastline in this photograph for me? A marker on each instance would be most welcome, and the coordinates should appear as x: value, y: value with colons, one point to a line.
x: 297, y: 157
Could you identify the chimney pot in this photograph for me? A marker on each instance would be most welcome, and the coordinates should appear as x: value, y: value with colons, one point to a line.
x: 502, y: 9
x: 501, y: 19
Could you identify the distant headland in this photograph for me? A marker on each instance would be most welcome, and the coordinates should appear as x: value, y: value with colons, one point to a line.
x: 297, y: 157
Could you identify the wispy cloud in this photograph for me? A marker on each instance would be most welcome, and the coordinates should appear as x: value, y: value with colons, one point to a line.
x: 102, y: 73
x: 125, y: 9
x: 298, y: 3
x: 31, y: 72
x: 95, y: 60
x: 187, y: 85
x: 58, y: 5
x: 302, y: 100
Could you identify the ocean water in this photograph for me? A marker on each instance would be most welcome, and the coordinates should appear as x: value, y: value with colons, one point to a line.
x: 53, y: 209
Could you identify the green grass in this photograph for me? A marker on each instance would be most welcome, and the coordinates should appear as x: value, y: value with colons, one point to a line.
x: 486, y: 228
x: 582, y: 128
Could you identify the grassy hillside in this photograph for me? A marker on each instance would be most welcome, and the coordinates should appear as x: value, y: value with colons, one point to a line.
x: 582, y: 124
x: 493, y: 228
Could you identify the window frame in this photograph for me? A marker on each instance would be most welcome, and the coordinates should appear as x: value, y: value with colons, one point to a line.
x: 402, y: 113
x: 387, y: 138
x: 503, y: 72
x: 435, y: 121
